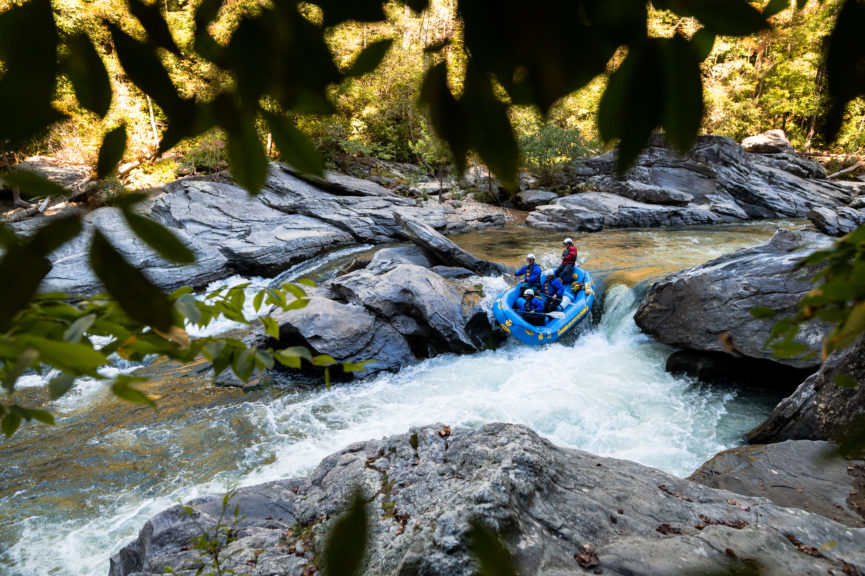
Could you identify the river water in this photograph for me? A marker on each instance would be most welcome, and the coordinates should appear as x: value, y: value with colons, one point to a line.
x: 72, y: 494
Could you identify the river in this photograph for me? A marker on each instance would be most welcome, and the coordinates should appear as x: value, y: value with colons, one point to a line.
x: 72, y: 494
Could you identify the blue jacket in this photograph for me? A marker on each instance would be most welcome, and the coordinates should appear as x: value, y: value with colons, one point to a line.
x: 532, y: 272
x: 534, y: 305
x: 554, y: 287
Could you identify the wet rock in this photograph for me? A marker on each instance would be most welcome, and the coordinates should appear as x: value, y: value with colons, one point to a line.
x: 447, y: 251
x: 801, y: 474
x: 716, y: 181
x: 707, y: 308
x: 721, y: 368
x: 254, y: 237
x: 347, y: 332
x: 550, y: 505
x: 820, y: 409
x: 387, y: 259
x: 441, y: 307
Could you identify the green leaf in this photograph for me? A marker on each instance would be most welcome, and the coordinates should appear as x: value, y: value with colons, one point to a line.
x: 157, y: 28
x: 355, y: 366
x: 417, y: 5
x: 271, y: 328
x: 489, y: 129
x: 763, y: 312
x: 323, y: 360
x: 845, y: 381
x: 775, y: 7
x: 28, y: 51
x: 24, y: 361
x: 294, y: 290
x: 339, y: 11
x: 32, y: 185
x: 133, y: 291
x: 145, y: 70
x: 294, y: 147
x: 187, y: 305
x: 257, y: 301
x: 846, y: 75
x: 493, y: 558
x: 66, y: 356
x: 42, y: 416
x: 369, y: 58
x: 159, y: 238
x: 28, y: 265
x: 88, y: 75
x: 246, y: 156
x: 724, y: 17
x: 10, y: 423
x: 346, y: 542
x: 703, y: 41
x: 292, y: 356
x: 123, y: 388
x: 243, y: 364
x: 788, y: 349
x: 446, y: 113
x: 296, y: 304
x: 60, y: 385
x: 111, y: 152
x: 683, y: 111
x: 306, y: 282
x: 78, y: 328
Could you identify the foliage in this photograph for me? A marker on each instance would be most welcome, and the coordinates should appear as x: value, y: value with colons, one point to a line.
x: 346, y: 543
x: 549, y: 147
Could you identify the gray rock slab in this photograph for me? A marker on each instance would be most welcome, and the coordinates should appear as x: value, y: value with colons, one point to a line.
x: 387, y: 259
x: 804, y: 474
x: 70, y: 264
x: 692, y: 309
x: 254, y: 237
x: 547, y: 503
x: 534, y: 198
x: 837, y: 221
x: 447, y: 251
x: 819, y: 409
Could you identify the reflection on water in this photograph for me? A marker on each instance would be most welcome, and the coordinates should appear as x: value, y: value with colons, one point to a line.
x: 83, y: 488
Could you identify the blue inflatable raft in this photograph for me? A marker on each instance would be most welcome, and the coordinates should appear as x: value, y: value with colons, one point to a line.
x: 542, y: 328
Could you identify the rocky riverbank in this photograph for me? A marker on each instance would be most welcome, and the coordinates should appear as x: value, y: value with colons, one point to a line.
x: 230, y: 232
x: 716, y: 181
x: 557, y: 511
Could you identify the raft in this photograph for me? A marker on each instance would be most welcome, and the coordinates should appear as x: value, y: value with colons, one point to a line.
x: 519, y: 326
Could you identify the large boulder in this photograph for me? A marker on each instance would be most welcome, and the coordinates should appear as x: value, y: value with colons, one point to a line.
x: 800, y: 474
x: 837, y: 221
x: 769, y: 142
x: 557, y: 510
x: 716, y: 181
x: 443, y: 312
x: 254, y: 237
x: 447, y: 251
x: 708, y: 308
x: 820, y: 409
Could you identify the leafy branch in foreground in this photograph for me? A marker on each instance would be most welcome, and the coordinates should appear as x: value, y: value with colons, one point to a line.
x: 75, y: 337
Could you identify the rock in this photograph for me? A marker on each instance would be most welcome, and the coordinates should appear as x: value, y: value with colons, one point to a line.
x: 769, y: 142
x: 70, y: 270
x: 447, y: 251
x: 73, y: 177
x: 443, y: 310
x: 716, y: 181
x: 547, y: 504
x: 533, y: 198
x: 254, y: 237
x: 695, y: 308
x: 819, y: 409
x: 753, y: 372
x: 837, y: 221
x: 387, y: 259
x: 347, y: 332
x: 799, y: 474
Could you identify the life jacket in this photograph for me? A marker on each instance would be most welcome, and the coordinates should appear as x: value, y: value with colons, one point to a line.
x: 569, y: 255
x: 550, y: 288
x: 533, y: 270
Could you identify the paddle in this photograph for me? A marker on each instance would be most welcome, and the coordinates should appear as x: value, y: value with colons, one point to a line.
x: 556, y: 314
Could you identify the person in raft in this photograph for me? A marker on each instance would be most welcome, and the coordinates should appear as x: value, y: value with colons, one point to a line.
x: 565, y: 271
x: 554, y: 290
x: 531, y: 273
x: 534, y: 308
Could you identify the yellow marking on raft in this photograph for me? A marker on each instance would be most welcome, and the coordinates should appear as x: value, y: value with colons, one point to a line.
x: 505, y: 328
x: 529, y: 332
x: 508, y: 322
x: 567, y: 327
x: 540, y: 336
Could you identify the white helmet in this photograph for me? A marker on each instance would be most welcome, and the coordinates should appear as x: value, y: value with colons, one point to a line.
x: 529, y: 292
x: 530, y: 257
x: 567, y: 241
x: 549, y: 273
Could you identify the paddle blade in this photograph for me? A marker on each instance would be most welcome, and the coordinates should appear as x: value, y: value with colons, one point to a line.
x: 556, y: 315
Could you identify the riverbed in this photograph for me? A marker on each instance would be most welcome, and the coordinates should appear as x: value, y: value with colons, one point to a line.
x: 73, y: 494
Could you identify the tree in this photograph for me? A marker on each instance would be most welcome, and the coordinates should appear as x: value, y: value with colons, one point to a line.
x: 278, y: 65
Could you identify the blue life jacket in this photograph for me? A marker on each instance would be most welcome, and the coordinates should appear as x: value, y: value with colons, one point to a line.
x: 534, y: 305
x: 554, y: 287
x: 532, y: 274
